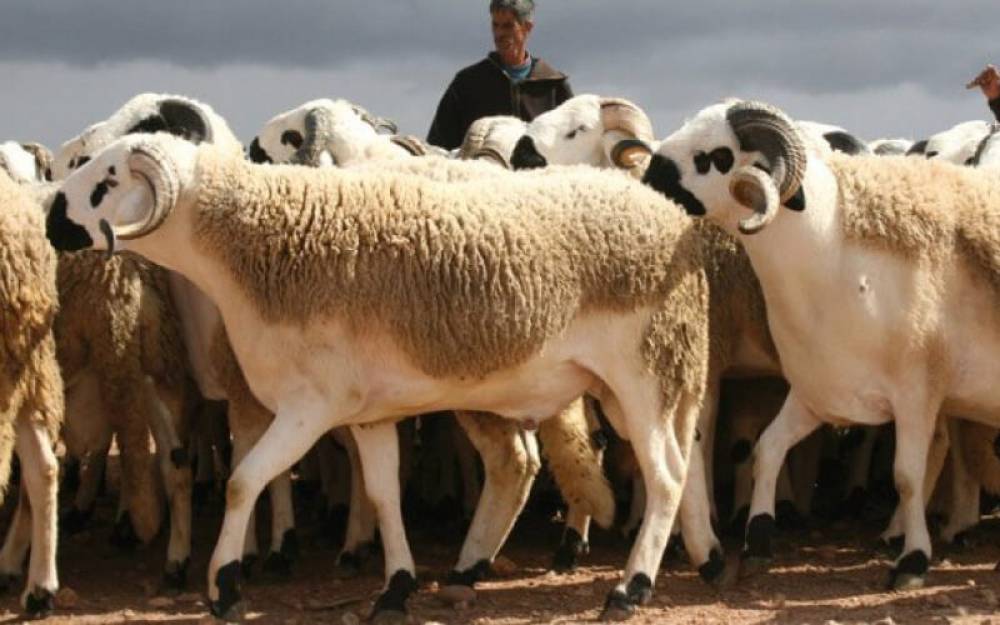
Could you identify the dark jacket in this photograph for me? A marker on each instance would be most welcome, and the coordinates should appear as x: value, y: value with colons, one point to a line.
x: 995, y: 107
x: 484, y: 89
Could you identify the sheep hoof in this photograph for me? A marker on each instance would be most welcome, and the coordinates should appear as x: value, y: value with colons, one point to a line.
x: 393, y: 600
x: 74, y: 521
x: 278, y: 565
x: 247, y: 564
x: 123, y: 534
x: 909, y: 572
x: 572, y: 546
x: 39, y: 603
x: 9, y: 581
x: 618, y: 607
x: 712, y: 570
x: 229, y: 607
x: 175, y: 576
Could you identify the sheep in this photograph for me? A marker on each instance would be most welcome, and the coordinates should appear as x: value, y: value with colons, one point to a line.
x: 31, y: 394
x: 210, y: 361
x: 26, y: 162
x: 345, y: 129
x: 613, y: 132
x: 900, y: 248
x: 514, y: 294
x: 956, y: 145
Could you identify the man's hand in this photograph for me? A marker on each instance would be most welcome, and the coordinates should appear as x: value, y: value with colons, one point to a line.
x: 989, y: 81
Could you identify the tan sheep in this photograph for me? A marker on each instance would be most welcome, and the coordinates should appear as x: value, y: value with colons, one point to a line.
x: 514, y: 294
x: 31, y: 393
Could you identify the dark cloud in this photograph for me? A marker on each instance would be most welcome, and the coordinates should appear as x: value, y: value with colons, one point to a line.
x: 888, y: 67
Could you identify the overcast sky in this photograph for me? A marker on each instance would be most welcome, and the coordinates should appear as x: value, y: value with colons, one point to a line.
x: 877, y: 67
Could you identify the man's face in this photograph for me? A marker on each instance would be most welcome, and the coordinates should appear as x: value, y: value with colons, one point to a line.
x: 510, y: 36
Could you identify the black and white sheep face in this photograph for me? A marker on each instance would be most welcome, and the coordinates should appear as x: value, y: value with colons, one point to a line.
x: 123, y: 192
x: 732, y: 157
x: 570, y: 134
x: 342, y: 132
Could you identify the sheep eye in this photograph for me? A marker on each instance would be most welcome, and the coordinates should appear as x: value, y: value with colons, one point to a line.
x: 572, y: 133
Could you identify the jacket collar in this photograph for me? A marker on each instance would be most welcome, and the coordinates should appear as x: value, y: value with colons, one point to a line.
x: 540, y: 70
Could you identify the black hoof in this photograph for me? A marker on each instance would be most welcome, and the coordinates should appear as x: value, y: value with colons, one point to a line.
x: 711, y: 571
x: 401, y: 586
x: 788, y: 517
x: 479, y: 571
x: 123, y: 534
x: 910, y: 572
x: 620, y: 606
x: 248, y: 564
x: 571, y: 548
x: 277, y: 565
x: 74, y: 521
x: 759, y: 533
x: 228, y: 607
x: 39, y: 603
x: 175, y: 577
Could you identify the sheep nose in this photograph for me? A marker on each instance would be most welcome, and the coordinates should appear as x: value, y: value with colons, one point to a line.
x: 526, y: 156
x: 65, y: 235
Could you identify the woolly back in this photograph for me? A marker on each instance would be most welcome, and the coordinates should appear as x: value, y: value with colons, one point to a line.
x: 922, y: 210
x: 468, y: 277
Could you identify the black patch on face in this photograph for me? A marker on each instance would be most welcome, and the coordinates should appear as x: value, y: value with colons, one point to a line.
x: 526, y: 155
x: 663, y: 176
x: 917, y: 148
x: 177, y: 117
x: 97, y: 195
x: 723, y: 159
x: 702, y: 163
x: 798, y: 201
x: 292, y: 138
x: 257, y: 153
x: 845, y: 142
x: 65, y: 235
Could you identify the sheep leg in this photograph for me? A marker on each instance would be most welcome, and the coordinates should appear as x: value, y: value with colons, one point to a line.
x: 911, y: 469
x: 964, y: 505
x: 17, y: 542
x: 861, y: 464
x: 92, y: 470
x: 40, y: 476
x: 361, y: 516
x: 468, y: 468
x: 175, y: 468
x: 294, y: 430
x: 662, y: 453
x: 336, y: 489
x: 936, y: 455
x: 637, y: 507
x: 793, y: 423
x: 378, y: 449
x: 803, y: 471
x: 703, y: 547
x: 510, y: 462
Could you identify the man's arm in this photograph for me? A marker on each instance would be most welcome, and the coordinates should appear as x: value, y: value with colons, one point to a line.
x: 988, y: 81
x: 446, y: 129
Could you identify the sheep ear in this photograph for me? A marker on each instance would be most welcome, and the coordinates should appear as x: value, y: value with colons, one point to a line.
x: 178, y: 118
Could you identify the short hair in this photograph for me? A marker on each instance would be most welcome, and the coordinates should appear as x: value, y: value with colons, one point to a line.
x: 523, y: 9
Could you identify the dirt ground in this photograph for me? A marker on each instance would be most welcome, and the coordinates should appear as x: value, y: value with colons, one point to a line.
x: 826, y: 574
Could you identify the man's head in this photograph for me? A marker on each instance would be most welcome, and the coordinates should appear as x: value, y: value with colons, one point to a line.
x: 512, y: 23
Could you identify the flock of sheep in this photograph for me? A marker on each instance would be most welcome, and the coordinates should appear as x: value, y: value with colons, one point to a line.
x: 336, y: 277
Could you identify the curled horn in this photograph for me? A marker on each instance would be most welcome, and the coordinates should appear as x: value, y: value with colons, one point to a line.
x: 624, y: 116
x: 629, y: 153
x: 474, y: 138
x: 317, y: 125
x: 492, y: 150
x: 152, y: 165
x: 762, y: 128
x: 380, y: 124
x: 752, y: 187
